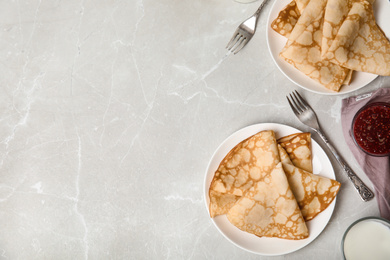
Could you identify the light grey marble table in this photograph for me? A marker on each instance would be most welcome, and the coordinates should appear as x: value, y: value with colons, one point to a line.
x: 110, y: 113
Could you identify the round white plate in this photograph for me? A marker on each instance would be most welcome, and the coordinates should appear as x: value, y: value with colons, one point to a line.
x: 276, y: 43
x: 264, y: 245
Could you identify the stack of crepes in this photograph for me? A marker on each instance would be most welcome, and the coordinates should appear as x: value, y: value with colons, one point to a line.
x: 265, y: 186
x: 329, y: 39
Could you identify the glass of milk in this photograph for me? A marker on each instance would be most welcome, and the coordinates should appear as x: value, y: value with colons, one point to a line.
x: 367, y: 238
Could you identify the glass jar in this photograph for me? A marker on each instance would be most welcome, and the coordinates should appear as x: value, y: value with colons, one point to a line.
x: 370, y: 129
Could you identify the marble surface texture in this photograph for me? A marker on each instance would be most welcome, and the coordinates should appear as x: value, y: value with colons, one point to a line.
x: 110, y: 113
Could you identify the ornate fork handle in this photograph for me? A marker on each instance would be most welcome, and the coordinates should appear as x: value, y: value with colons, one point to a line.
x: 365, y: 193
x: 260, y: 7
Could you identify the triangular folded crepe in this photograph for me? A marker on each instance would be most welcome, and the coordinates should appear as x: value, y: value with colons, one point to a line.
x: 301, y: 4
x: 284, y: 158
x: 314, y: 193
x: 352, y: 38
x: 245, y: 164
x: 303, y: 49
x: 269, y: 209
x: 220, y: 203
x: 298, y: 148
x: 288, y: 17
x: 335, y: 13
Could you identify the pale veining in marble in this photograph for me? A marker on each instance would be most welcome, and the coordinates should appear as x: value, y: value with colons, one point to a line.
x: 109, y: 114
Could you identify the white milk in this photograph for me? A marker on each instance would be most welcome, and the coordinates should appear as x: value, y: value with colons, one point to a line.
x: 368, y: 239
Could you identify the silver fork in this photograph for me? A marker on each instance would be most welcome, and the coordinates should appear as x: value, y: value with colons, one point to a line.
x: 307, y: 116
x: 245, y: 31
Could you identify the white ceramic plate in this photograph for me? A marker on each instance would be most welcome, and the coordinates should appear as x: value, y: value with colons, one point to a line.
x: 263, y: 245
x: 276, y: 43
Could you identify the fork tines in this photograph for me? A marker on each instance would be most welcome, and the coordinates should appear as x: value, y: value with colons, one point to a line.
x: 237, y: 42
x: 297, y: 103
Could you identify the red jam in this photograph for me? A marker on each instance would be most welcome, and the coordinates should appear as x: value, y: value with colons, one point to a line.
x: 371, y: 129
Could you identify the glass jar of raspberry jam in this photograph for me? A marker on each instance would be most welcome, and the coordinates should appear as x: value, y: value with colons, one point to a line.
x: 371, y: 129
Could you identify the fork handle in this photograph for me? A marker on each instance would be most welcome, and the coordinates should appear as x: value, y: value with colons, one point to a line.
x: 365, y: 193
x: 260, y: 7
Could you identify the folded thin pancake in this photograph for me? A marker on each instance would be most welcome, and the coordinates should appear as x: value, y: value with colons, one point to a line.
x: 298, y: 148
x: 284, y: 158
x: 314, y: 193
x: 303, y: 48
x: 301, y: 4
x: 357, y: 42
x: 286, y: 20
x: 269, y: 209
x: 288, y: 17
x: 245, y: 164
x: 335, y: 13
x: 220, y: 203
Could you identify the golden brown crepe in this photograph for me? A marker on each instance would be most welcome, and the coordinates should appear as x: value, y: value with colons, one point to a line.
x: 286, y: 20
x: 245, y: 164
x: 352, y: 39
x: 303, y: 48
x: 220, y: 203
x: 335, y: 13
x: 301, y: 4
x: 314, y: 193
x: 298, y: 148
x: 269, y: 209
x: 345, y: 34
x: 284, y: 158
x: 288, y: 17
